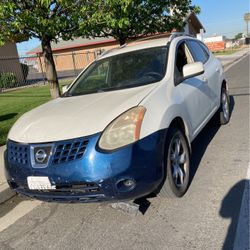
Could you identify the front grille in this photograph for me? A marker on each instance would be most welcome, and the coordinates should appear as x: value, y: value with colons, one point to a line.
x: 18, y: 153
x: 69, y: 151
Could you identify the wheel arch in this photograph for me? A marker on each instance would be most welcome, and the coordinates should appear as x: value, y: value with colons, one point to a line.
x: 179, y: 123
x: 224, y: 84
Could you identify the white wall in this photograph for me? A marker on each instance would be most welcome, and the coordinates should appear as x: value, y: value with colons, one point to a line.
x: 214, y: 39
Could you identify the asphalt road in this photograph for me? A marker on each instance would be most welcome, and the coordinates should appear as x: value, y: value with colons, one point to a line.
x: 207, y: 217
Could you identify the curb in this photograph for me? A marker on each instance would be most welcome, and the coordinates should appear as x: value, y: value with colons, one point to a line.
x: 5, y: 193
x: 234, y: 61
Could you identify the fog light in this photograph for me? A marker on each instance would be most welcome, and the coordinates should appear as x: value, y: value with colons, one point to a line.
x: 128, y: 183
x: 125, y: 185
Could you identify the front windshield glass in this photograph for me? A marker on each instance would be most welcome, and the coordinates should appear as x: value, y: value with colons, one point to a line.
x: 126, y: 70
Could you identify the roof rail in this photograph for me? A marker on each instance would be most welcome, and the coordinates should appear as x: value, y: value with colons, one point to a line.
x: 113, y: 49
x: 177, y: 34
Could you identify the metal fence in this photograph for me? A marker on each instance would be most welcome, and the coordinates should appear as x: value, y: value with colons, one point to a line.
x: 25, y: 71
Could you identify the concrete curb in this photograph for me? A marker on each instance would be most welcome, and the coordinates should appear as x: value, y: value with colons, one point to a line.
x: 5, y: 193
x: 226, y: 65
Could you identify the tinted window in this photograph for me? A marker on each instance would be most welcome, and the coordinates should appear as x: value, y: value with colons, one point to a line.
x: 126, y: 70
x: 199, y: 53
x: 205, y: 48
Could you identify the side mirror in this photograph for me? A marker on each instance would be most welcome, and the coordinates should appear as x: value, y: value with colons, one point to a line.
x: 193, y: 69
x: 65, y: 88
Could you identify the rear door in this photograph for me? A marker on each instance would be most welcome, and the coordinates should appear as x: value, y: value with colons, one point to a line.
x: 212, y: 69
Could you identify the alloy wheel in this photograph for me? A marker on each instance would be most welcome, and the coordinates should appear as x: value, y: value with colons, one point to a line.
x: 178, y: 161
x: 225, y: 106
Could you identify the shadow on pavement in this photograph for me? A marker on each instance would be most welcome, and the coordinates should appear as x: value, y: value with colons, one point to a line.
x: 199, y: 146
x: 201, y: 142
x: 7, y: 116
x: 230, y: 208
x: 9, y: 205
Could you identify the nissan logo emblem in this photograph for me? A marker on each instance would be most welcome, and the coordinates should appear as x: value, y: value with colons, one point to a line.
x: 40, y: 155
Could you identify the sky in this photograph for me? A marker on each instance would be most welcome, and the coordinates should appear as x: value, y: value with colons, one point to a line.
x: 222, y: 17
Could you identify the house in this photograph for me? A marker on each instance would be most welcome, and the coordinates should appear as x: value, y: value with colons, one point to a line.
x: 74, y: 55
x: 9, y: 61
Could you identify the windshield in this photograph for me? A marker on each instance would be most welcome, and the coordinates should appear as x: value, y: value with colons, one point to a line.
x: 126, y: 70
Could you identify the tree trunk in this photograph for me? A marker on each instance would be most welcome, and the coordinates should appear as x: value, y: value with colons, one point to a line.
x: 122, y: 39
x: 50, y: 68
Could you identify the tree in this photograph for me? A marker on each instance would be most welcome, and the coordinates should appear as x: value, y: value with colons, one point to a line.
x: 238, y: 36
x: 128, y: 19
x: 48, y: 20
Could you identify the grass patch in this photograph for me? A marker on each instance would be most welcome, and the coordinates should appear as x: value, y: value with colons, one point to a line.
x: 226, y: 52
x: 15, y: 103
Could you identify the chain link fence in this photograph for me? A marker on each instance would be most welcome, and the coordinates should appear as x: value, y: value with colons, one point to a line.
x: 30, y: 70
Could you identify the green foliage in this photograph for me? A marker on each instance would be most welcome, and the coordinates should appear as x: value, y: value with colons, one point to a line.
x: 53, y: 19
x: 238, y: 36
x: 47, y: 20
x: 124, y: 19
x: 7, y: 80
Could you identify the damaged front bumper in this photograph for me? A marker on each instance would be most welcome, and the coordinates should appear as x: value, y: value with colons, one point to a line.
x: 125, y: 174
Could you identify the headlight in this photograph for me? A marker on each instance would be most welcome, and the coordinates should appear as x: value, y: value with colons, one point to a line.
x: 124, y: 130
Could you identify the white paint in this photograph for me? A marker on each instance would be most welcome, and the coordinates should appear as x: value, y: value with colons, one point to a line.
x: 73, y: 117
x: 17, y: 212
x: 192, y: 69
x: 65, y: 118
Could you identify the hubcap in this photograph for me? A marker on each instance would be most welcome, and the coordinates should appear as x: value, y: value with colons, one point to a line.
x: 225, y: 106
x: 178, y: 160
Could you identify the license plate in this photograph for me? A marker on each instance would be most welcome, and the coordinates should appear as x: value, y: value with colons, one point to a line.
x: 39, y: 183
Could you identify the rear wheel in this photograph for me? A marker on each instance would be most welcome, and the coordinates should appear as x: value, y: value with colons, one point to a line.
x: 223, y: 114
x: 177, y: 165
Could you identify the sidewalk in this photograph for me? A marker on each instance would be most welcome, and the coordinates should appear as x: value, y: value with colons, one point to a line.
x: 226, y: 60
x: 6, y: 193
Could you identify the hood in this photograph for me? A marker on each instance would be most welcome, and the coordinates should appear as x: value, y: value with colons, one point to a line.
x: 72, y: 117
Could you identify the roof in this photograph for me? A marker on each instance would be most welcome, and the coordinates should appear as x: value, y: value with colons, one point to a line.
x: 192, y: 17
x: 77, y: 42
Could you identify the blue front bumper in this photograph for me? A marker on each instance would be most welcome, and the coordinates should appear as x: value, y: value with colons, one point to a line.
x: 97, y: 175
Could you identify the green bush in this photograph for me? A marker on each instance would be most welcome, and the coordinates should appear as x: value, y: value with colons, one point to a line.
x: 7, y: 80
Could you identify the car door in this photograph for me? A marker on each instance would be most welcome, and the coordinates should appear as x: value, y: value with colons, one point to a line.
x: 212, y: 69
x: 194, y: 92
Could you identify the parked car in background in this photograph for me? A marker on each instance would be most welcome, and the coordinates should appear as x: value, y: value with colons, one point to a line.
x: 123, y: 129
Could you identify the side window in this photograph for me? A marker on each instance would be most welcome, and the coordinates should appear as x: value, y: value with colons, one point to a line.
x: 199, y: 53
x: 183, y: 57
x: 205, y: 48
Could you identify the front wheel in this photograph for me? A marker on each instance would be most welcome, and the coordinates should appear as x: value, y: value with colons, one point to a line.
x: 177, y: 165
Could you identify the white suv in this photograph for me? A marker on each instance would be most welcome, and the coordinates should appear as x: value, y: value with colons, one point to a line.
x: 123, y: 129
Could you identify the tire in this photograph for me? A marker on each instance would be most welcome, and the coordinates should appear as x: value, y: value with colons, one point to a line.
x: 223, y: 113
x: 176, y: 165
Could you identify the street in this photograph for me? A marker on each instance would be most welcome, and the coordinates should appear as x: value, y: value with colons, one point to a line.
x: 210, y: 216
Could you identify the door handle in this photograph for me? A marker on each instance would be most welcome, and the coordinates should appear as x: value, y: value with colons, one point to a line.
x: 217, y: 69
x: 204, y: 79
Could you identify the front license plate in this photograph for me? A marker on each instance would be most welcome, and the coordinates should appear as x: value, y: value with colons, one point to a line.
x: 39, y: 183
